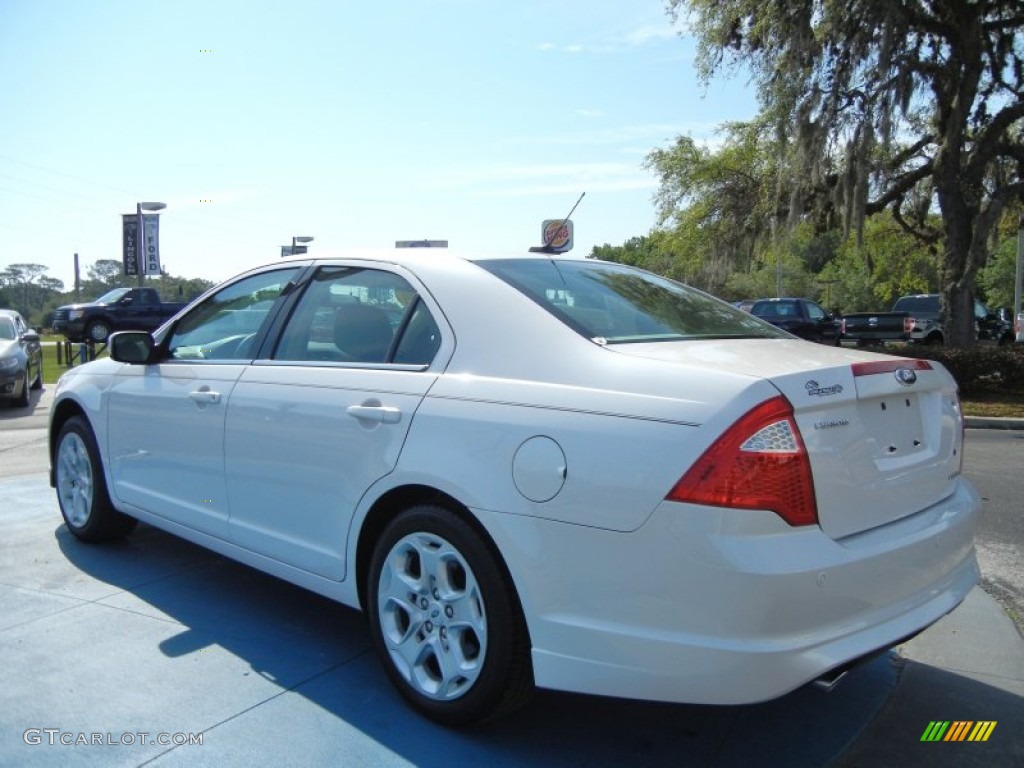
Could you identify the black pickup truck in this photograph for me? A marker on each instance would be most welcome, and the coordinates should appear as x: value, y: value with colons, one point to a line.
x: 122, y: 309
x: 917, y: 319
x: 801, y: 317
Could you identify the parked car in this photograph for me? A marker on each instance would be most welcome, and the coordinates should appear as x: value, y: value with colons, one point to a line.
x: 121, y: 309
x: 801, y: 317
x: 917, y: 318
x: 535, y: 471
x: 21, y: 359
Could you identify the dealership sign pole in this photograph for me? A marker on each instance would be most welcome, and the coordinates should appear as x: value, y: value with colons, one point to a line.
x: 140, y: 237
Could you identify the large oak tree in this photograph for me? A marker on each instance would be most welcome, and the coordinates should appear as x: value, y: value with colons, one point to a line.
x: 887, y: 105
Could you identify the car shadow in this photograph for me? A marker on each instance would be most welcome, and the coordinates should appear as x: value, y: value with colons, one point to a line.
x: 320, y: 650
x: 11, y: 412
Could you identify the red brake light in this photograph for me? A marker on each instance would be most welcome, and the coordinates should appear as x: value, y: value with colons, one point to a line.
x: 889, y: 366
x: 760, y: 462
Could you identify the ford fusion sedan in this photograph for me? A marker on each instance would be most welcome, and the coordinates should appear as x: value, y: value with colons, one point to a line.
x: 536, y: 472
x: 21, y: 359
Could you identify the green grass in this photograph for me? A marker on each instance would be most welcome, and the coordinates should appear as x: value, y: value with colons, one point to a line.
x: 51, y: 369
x: 1010, y: 404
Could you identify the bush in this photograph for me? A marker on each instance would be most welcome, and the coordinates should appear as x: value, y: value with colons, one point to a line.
x: 976, y: 369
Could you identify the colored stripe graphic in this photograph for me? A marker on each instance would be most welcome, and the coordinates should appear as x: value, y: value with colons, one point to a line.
x: 958, y: 730
x: 982, y: 730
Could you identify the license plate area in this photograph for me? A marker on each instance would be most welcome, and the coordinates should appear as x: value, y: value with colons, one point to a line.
x: 893, y: 424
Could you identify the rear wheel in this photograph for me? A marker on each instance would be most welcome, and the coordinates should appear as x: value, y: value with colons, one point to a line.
x: 444, y: 619
x: 38, y: 383
x: 81, y: 487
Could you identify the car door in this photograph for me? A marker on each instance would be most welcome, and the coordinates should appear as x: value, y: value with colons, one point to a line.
x: 133, y: 310
x: 821, y: 326
x: 317, y: 423
x: 166, y: 420
x: 33, y: 349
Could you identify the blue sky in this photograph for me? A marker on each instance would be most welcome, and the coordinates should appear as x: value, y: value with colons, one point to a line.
x: 356, y: 123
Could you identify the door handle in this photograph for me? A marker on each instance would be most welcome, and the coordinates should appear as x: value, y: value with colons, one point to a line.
x: 387, y: 414
x: 205, y: 396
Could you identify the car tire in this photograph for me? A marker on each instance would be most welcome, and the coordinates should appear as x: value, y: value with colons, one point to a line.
x: 97, y: 331
x: 24, y: 399
x: 82, y: 488
x: 38, y: 383
x: 445, y: 619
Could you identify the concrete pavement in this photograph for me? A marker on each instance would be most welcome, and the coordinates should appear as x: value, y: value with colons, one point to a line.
x: 155, y: 635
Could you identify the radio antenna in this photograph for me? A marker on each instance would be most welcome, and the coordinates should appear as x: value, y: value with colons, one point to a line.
x: 546, y: 247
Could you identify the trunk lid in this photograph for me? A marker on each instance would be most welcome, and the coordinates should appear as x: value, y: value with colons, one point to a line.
x: 884, y: 434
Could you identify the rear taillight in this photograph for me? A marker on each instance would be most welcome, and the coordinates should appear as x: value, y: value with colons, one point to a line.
x: 760, y: 462
x: 842, y: 326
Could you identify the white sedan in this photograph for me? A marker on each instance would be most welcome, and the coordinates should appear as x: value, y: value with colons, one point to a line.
x: 536, y: 471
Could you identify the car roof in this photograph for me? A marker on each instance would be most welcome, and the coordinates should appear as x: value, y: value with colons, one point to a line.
x: 428, y: 255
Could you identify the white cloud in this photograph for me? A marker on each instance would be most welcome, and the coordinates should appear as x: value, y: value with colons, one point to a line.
x: 589, y: 112
x: 650, y: 33
x: 647, y: 34
x: 656, y: 133
x: 556, y: 178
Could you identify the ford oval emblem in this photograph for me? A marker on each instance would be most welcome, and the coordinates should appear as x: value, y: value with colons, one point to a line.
x: 905, y: 376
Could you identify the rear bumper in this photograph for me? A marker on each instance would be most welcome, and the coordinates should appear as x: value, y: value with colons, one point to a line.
x: 716, y: 606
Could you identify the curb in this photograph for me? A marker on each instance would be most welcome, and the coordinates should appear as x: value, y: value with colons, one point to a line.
x: 993, y: 422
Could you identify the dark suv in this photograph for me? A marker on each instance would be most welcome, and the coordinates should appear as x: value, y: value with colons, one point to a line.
x: 801, y: 317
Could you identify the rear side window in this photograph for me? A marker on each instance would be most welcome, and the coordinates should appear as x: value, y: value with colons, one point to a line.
x: 359, y: 315
x: 615, y: 304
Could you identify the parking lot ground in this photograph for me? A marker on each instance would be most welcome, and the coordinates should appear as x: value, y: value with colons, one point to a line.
x: 156, y: 636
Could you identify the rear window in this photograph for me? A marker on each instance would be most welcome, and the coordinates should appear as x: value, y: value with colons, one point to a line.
x: 914, y: 304
x: 781, y: 308
x: 615, y: 304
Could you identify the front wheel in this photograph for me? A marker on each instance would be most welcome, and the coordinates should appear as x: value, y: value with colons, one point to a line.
x: 98, y: 331
x: 38, y: 382
x: 81, y: 487
x: 444, y: 619
x: 25, y: 398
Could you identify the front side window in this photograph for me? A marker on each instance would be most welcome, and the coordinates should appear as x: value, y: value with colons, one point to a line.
x: 358, y: 315
x: 224, y: 325
x: 615, y: 304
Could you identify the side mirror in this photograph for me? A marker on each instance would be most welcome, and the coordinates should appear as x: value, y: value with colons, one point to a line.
x: 32, y: 337
x: 133, y: 347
